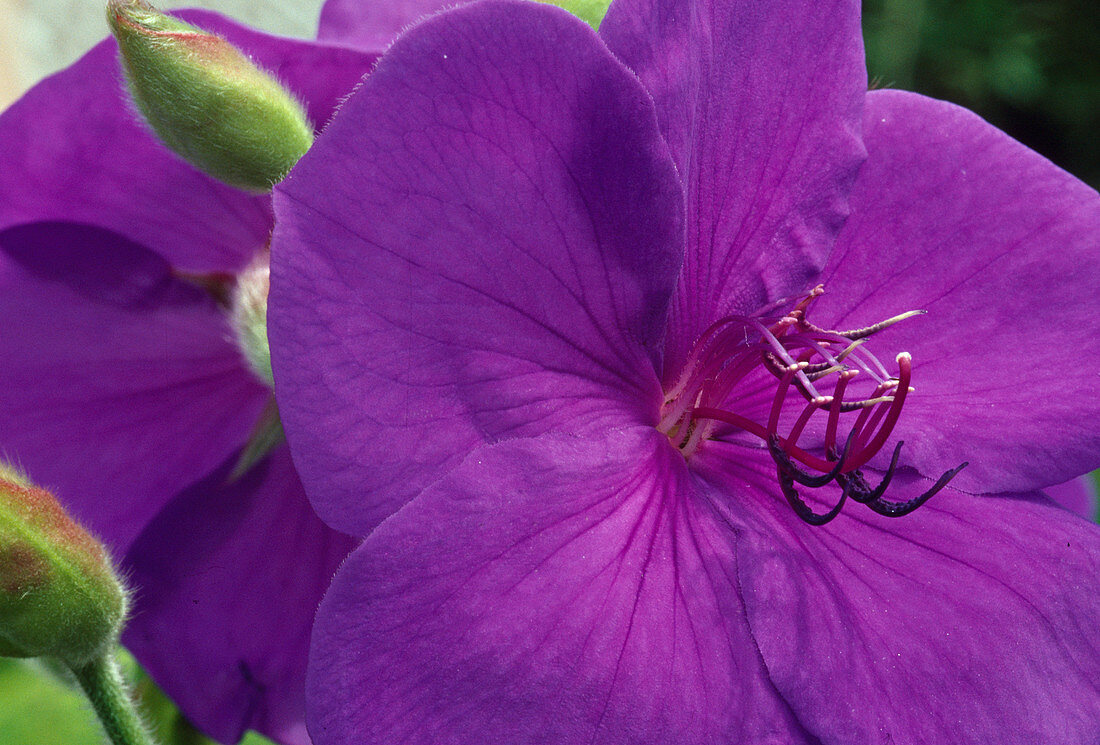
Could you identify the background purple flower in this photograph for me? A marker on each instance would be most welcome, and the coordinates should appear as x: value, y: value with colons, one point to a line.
x: 479, y: 299
x: 372, y: 26
x: 122, y: 390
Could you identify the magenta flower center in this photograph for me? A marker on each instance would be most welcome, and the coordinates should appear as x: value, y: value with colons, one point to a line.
x: 736, y: 355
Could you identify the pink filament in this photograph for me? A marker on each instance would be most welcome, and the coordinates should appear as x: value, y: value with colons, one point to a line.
x: 734, y: 347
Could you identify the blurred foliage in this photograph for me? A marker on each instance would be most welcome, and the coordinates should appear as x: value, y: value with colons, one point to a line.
x: 41, y: 710
x: 1030, y: 67
x: 40, y: 707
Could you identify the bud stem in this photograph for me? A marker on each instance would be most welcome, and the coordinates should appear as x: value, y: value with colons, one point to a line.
x: 109, y: 693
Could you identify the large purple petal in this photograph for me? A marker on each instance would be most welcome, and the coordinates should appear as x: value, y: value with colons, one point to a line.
x: 370, y: 25
x: 760, y: 103
x: 119, y: 385
x: 549, y: 590
x: 74, y: 150
x: 482, y: 245
x: 972, y: 620
x: 951, y: 216
x: 227, y: 578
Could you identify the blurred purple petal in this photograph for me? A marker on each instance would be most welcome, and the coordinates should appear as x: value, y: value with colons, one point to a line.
x: 113, y: 365
x: 760, y: 103
x: 511, y: 239
x: 372, y: 26
x: 245, y: 563
x: 121, y: 387
x: 1077, y: 495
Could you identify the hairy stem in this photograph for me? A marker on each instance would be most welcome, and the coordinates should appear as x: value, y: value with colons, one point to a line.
x: 109, y: 693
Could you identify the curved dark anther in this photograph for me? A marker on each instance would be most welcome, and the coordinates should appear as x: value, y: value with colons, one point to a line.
x: 900, y: 509
x: 849, y: 406
x: 813, y: 371
x: 797, y: 474
x: 857, y: 486
x: 861, y: 490
x: 803, y: 510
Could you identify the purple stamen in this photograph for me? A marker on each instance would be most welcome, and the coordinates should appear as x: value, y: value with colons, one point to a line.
x: 798, y: 354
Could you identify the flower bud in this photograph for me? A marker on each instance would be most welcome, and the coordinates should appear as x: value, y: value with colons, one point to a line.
x: 13, y: 474
x: 207, y: 101
x: 59, y: 595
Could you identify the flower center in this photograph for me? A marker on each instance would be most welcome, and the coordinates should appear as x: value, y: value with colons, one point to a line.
x: 737, y: 353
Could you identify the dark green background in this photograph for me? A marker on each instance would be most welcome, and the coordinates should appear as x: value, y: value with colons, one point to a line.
x: 1030, y: 67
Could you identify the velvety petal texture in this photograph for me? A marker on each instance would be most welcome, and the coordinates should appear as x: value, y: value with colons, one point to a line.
x: 74, y: 149
x: 508, y: 236
x: 581, y: 591
x: 110, y: 364
x: 245, y: 562
x: 999, y: 246
x: 760, y: 102
x: 970, y: 621
x: 597, y: 591
x: 1077, y: 495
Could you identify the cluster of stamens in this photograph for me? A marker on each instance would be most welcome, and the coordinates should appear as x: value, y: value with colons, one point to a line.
x: 808, y: 358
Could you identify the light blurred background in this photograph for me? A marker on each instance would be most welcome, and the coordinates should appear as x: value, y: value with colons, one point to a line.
x: 38, y: 37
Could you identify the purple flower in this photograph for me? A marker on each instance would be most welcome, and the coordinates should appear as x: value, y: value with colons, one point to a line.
x: 121, y: 387
x: 545, y: 330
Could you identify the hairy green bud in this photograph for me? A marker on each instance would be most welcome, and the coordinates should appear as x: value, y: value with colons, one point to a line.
x: 207, y: 101
x: 59, y: 596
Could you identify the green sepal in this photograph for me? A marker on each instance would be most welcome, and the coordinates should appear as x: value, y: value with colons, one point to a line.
x: 589, y: 11
x: 206, y: 101
x: 267, y: 434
